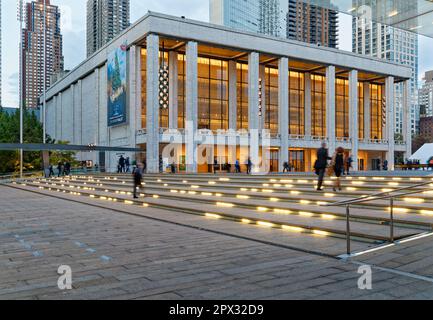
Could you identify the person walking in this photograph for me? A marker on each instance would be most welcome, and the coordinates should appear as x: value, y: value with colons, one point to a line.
x: 348, y: 164
x: 237, y: 167
x: 138, y: 178
x: 338, y: 167
x: 249, y: 166
x: 321, y: 164
x: 67, y: 168
x: 122, y: 164
x: 215, y: 166
x: 286, y: 167
x: 60, y: 169
x: 127, y: 164
x: 51, y: 174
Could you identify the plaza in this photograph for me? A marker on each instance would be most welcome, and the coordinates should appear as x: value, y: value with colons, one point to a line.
x: 229, y: 95
x: 212, y: 237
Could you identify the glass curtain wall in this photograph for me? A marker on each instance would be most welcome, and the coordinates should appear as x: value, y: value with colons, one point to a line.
x: 318, y: 105
x: 342, y: 108
x: 271, y: 99
x: 376, y: 102
x: 242, y: 95
x: 297, y: 103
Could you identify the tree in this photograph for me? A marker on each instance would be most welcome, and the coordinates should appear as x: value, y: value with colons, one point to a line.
x: 418, y: 141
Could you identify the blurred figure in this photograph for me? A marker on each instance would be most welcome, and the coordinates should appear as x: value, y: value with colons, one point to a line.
x: 127, y: 164
x: 249, y: 166
x: 338, y: 166
x: 122, y: 164
x: 286, y: 167
x: 51, y: 174
x: 321, y: 164
x: 67, y: 168
x: 237, y: 167
x: 138, y: 179
x: 60, y: 169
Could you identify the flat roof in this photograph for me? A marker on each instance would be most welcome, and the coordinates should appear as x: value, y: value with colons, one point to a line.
x: 215, y: 35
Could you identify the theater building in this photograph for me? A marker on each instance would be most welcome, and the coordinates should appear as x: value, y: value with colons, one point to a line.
x: 233, y: 83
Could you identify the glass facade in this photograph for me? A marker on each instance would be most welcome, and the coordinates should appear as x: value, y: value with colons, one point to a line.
x: 181, y: 63
x: 163, y: 113
x: 297, y: 103
x: 318, y: 105
x: 342, y: 108
x: 271, y: 100
x: 376, y: 101
x: 242, y: 96
x: 213, y: 97
x: 361, y: 113
x: 143, y: 88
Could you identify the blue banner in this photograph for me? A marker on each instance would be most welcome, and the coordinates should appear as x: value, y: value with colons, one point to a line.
x: 116, y: 77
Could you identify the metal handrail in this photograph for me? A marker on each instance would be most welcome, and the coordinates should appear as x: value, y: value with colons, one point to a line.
x: 378, y: 196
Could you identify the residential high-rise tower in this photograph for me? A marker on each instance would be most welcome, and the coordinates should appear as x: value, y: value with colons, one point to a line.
x: 32, y: 76
x: 105, y: 20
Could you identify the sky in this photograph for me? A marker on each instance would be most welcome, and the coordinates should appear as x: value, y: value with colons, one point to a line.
x: 73, y: 27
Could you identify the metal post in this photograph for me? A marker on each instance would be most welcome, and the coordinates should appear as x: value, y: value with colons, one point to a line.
x: 44, y: 75
x: 348, y: 228
x: 392, y: 220
x: 21, y: 19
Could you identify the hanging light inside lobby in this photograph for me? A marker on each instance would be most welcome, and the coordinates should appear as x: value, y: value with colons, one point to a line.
x: 163, y: 82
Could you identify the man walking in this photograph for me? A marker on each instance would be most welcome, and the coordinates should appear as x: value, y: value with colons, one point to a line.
x: 122, y: 164
x: 138, y: 177
x: 321, y: 164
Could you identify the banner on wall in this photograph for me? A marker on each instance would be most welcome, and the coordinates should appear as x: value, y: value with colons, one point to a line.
x: 116, y: 78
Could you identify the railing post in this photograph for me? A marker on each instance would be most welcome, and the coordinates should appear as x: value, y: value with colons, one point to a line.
x: 348, y: 229
x: 392, y: 219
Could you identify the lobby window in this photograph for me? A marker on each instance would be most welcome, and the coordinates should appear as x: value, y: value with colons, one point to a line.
x: 143, y: 88
x: 212, y: 94
x: 318, y: 105
x: 360, y: 111
x: 271, y: 100
x: 342, y: 108
x: 181, y: 95
x: 242, y: 95
x: 376, y: 100
x: 297, y: 103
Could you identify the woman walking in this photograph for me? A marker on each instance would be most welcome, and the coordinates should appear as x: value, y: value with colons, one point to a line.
x: 338, y: 165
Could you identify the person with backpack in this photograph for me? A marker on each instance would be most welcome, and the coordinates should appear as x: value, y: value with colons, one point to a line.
x: 338, y: 167
x: 138, y: 179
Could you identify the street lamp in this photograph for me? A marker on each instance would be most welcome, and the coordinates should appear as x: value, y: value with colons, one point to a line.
x: 20, y: 17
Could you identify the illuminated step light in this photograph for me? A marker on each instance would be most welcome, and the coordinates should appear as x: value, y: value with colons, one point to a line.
x: 302, y: 181
x: 267, y: 191
x: 212, y: 182
x: 321, y: 233
x: 413, y: 200
x: 213, y: 216
x: 274, y: 199
x: 265, y: 185
x: 328, y: 183
x: 183, y: 192
x: 244, y: 189
x: 349, y: 178
x: 277, y: 185
x: 224, y: 179
x: 305, y: 202
x: 428, y: 192
x: 397, y: 179
x: 195, y: 187
x: 174, y: 191
x: 306, y: 214
x: 92, y: 196
x: 328, y: 217
x: 322, y: 203
x: 246, y: 221
x: 329, y: 195
x: 242, y: 197
x: 362, y: 178
x: 265, y: 224
x: 262, y: 209
x: 289, y: 185
x: 184, y: 181
x: 282, y: 211
x: 387, y: 190
x: 378, y: 178
x: 292, y: 229
x: 295, y: 192
x: 103, y: 198
x: 427, y: 212
x: 206, y: 194
x: 155, y: 196
x: 145, y: 205
x: 415, y: 179
x: 225, y: 204
x: 273, y: 180
x: 255, y: 190
x: 358, y: 183
x: 159, y: 180
x: 128, y: 202
x: 351, y: 189
x: 393, y: 184
x: 165, y: 185
x: 192, y: 192
x: 286, y: 181
x: 399, y: 210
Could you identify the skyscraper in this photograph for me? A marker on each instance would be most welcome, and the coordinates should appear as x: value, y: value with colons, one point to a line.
x: 261, y: 16
x: 425, y: 96
x: 32, y: 76
x: 105, y: 20
x: 386, y: 42
x: 312, y: 24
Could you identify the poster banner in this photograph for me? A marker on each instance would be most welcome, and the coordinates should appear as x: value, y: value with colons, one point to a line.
x: 116, y: 76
